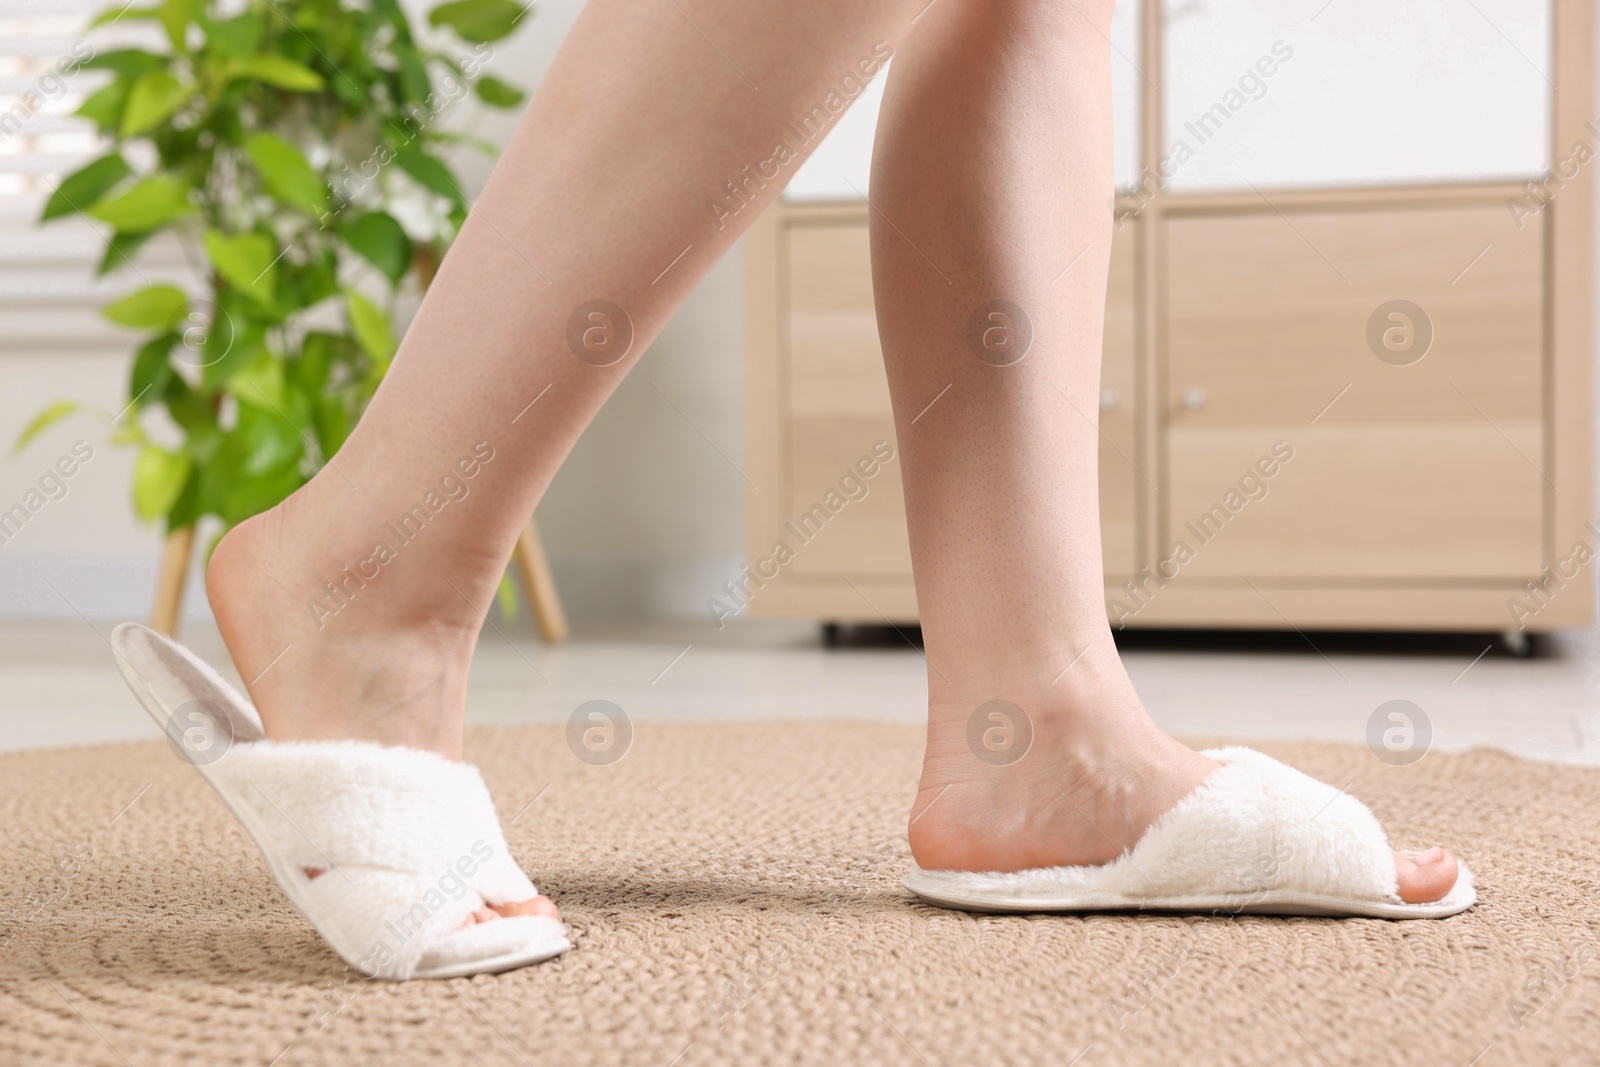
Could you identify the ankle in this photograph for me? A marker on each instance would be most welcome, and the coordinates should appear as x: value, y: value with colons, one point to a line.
x: 369, y: 659
x: 1087, y: 703
x: 1062, y: 778
x: 402, y: 686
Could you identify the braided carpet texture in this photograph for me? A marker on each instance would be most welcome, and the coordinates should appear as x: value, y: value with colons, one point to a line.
x: 733, y: 893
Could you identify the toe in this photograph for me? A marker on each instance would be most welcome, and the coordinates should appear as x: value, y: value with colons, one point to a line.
x: 1424, y: 876
x: 539, y: 907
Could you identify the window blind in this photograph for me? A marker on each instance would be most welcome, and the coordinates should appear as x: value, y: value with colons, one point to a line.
x: 49, y: 295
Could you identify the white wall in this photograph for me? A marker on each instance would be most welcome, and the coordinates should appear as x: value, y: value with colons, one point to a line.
x: 646, y: 517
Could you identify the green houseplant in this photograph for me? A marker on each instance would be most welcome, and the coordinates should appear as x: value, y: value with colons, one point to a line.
x: 281, y: 141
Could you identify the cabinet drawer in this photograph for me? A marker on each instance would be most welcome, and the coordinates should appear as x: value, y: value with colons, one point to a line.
x: 1411, y: 458
x: 838, y: 404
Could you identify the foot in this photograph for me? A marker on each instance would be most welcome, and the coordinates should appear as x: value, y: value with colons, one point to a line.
x: 376, y: 661
x: 538, y: 907
x: 1084, y: 793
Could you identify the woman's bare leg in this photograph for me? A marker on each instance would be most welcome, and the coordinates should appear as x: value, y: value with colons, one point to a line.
x: 352, y: 609
x: 992, y: 174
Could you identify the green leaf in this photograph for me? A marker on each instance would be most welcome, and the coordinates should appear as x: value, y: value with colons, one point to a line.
x: 192, y: 412
x: 153, y: 202
x: 252, y: 496
x: 298, y: 406
x: 371, y: 327
x: 121, y: 249
x: 333, y: 424
x: 429, y: 172
x: 152, y: 371
x: 158, y: 477
x: 84, y: 186
x: 415, y: 85
x: 232, y: 344
x: 126, y: 62
x: 247, y: 261
x: 317, y: 280
x: 496, y: 93
x: 41, y: 422
x: 286, y: 173
x: 261, y: 382
x: 277, y: 70
x: 235, y: 38
x: 188, y: 508
x: 479, y: 20
x: 154, y: 97
x: 355, y: 96
x: 155, y: 307
x: 126, y: 434
x: 174, y: 16
x: 104, y: 106
x: 303, y: 285
x: 249, y: 468
x: 216, y: 467
x: 381, y: 241
x: 269, y: 441
x: 391, y: 12
x: 316, y: 360
x: 124, y: 13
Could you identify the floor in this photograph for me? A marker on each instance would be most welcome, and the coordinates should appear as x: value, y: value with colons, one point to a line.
x: 58, y: 685
x: 733, y: 893
x: 713, y: 928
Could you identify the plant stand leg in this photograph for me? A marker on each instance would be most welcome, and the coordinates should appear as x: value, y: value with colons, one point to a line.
x: 534, y: 570
x: 164, y: 612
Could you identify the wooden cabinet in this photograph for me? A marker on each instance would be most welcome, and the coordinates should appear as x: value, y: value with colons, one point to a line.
x: 1429, y: 467
x: 1361, y: 406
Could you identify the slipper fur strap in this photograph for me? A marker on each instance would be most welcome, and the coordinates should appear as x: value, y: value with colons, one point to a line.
x: 408, y: 843
x: 1254, y: 826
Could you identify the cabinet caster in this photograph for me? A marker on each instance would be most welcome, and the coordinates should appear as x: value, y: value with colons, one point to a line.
x: 831, y: 632
x: 1517, y: 643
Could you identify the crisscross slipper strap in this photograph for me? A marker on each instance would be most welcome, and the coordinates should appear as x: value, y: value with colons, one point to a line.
x: 407, y: 842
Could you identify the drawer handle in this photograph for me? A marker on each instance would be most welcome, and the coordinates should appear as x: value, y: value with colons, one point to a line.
x: 1194, y: 398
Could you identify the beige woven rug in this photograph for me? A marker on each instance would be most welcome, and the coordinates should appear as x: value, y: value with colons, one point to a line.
x: 733, y: 891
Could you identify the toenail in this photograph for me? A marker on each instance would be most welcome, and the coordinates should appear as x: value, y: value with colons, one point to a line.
x: 1433, y: 855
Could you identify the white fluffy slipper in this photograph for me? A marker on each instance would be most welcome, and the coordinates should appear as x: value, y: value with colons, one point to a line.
x: 408, y: 842
x: 1255, y: 837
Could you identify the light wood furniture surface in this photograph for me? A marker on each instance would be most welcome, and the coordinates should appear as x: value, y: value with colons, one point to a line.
x: 1428, y: 494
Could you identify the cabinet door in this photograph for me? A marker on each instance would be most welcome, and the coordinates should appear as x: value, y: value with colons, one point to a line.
x: 1416, y: 427
x: 838, y: 405
x: 1342, y: 92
